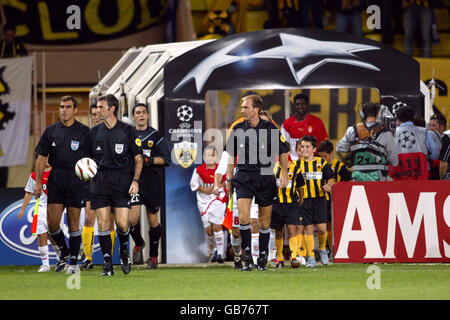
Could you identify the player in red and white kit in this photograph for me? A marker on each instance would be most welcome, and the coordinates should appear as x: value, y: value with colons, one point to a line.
x: 42, y: 228
x: 211, y: 207
x: 302, y: 123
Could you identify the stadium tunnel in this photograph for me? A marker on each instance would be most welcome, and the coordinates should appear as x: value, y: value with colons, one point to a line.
x: 175, y: 80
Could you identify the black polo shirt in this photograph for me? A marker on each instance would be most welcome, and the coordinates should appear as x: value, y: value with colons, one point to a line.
x: 153, y: 145
x: 115, y: 148
x: 254, y: 147
x: 63, y: 145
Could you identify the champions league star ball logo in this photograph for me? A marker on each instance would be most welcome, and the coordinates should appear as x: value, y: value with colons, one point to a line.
x: 407, y: 140
x: 303, y: 55
x: 185, y: 113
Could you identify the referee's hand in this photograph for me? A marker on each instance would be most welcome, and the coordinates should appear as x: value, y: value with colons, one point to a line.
x: 134, y: 188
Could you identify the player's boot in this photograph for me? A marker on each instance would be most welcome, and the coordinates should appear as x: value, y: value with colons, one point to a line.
x: 72, y: 269
x: 220, y: 259
x: 279, y: 264
x: 302, y: 260
x: 214, y: 257
x: 248, y: 263
x: 261, y: 263
x: 44, y: 268
x: 324, y: 257
x: 152, y: 263
x: 138, y: 257
x: 108, y: 270
x: 61, y: 264
x: 125, y: 261
x: 237, y: 261
x: 311, y: 263
x: 87, y: 265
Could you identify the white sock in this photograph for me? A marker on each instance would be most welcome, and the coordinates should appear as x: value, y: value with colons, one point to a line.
x: 272, y: 247
x: 43, y: 252
x: 225, y: 243
x: 272, y: 240
x: 236, y: 244
x: 218, y: 235
x: 255, y: 246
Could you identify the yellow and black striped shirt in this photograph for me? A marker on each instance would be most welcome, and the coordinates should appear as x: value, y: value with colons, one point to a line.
x: 315, y: 173
x: 290, y: 193
x: 341, y: 173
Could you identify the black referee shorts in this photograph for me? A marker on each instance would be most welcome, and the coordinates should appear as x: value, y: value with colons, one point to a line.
x: 64, y: 187
x: 109, y: 188
x: 314, y: 211
x: 285, y: 214
x: 249, y: 184
x: 150, y: 193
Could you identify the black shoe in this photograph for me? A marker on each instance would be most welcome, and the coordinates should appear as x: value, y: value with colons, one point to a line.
x: 237, y: 262
x: 248, y: 263
x: 87, y: 265
x: 261, y: 264
x: 125, y: 261
x: 61, y: 264
x: 213, y: 257
x: 220, y: 259
x: 108, y: 270
x: 152, y: 263
x: 138, y: 257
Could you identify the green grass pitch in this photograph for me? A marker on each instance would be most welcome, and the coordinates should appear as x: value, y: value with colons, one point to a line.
x: 213, y: 282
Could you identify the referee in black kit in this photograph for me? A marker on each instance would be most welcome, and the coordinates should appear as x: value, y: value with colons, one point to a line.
x: 64, y: 142
x: 255, y: 142
x: 117, y: 151
x: 156, y: 155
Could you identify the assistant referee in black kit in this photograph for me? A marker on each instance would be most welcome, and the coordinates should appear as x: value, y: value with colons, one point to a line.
x: 64, y: 142
x: 117, y: 151
x: 255, y: 143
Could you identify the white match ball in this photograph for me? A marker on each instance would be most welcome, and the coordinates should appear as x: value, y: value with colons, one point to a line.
x: 86, y: 169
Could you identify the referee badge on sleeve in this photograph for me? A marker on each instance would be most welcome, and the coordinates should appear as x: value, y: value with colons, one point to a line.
x: 282, y: 138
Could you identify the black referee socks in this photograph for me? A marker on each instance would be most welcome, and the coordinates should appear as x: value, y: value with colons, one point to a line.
x: 135, y: 233
x: 104, y: 238
x: 264, y: 237
x: 74, y: 246
x: 246, y: 236
x: 154, y: 235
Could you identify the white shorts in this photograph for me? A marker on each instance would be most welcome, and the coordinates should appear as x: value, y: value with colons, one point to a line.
x: 254, y: 210
x: 42, y: 226
x: 214, y: 212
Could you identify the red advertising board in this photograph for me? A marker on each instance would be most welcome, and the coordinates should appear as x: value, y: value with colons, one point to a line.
x: 403, y: 221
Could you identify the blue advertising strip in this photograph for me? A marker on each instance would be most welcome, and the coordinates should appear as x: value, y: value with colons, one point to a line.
x: 18, y: 246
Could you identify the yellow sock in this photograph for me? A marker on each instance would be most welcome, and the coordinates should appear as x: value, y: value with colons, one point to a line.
x: 293, y: 246
x: 301, y: 244
x: 322, y: 240
x: 279, y: 246
x: 309, y: 240
x: 113, y: 239
x: 87, y: 236
x: 330, y: 239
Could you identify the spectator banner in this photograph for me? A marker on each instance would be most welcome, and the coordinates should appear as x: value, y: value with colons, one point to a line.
x: 75, y: 22
x: 391, y: 221
x: 15, y: 110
